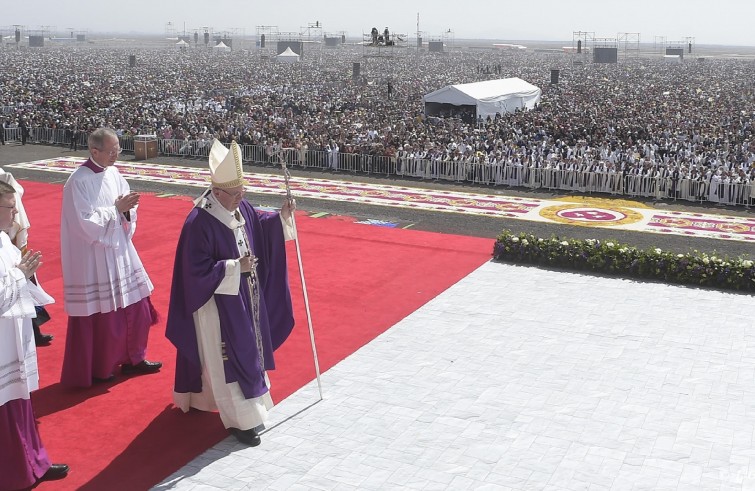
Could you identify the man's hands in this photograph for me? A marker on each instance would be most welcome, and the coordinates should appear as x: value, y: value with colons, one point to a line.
x: 30, y: 263
x: 247, y: 262
x: 288, y: 208
x: 127, y: 202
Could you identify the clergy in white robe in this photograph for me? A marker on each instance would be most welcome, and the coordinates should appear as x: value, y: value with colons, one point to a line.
x: 23, y: 458
x: 19, y: 235
x: 106, y: 288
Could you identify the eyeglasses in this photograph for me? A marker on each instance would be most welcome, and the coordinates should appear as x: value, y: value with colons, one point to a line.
x: 116, y: 151
x: 237, y: 194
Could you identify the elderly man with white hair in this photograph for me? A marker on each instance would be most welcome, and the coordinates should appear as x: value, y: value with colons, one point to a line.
x: 106, y: 288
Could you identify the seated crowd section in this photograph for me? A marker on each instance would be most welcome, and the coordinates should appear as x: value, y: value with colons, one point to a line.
x: 641, y: 128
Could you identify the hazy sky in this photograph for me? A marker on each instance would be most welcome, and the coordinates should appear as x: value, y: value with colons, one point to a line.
x: 707, y: 21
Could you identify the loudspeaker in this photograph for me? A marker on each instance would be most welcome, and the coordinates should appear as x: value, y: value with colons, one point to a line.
x: 132, y: 61
x: 554, y: 77
x: 206, y: 38
x: 36, y: 41
x: 579, y: 46
x: 262, y: 41
x: 675, y: 52
x: 690, y: 47
x: 355, y: 70
x: 605, y: 55
x: 435, y: 46
x: 18, y: 36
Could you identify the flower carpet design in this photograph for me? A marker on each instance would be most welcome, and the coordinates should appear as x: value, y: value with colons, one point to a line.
x: 577, y: 211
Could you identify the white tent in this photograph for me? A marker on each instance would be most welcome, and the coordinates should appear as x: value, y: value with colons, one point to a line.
x: 288, y: 56
x: 182, y: 44
x: 221, y: 47
x: 483, y: 99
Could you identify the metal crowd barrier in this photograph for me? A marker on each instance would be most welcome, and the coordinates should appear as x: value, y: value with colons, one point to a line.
x: 12, y: 134
x: 126, y: 143
x: 448, y: 169
x: 46, y: 136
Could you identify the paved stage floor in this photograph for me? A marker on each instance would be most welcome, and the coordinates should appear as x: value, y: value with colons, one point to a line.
x: 517, y: 378
x: 522, y: 378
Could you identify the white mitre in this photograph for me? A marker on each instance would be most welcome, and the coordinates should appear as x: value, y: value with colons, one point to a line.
x: 226, y: 170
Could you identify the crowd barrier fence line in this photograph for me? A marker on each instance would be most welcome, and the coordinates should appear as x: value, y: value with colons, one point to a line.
x: 451, y: 170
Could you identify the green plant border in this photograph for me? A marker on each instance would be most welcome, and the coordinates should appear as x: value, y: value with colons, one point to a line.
x: 612, y: 258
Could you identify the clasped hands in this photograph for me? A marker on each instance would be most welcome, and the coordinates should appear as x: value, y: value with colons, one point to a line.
x: 127, y: 202
x: 30, y: 263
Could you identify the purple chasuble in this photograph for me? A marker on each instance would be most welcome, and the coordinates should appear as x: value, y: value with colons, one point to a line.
x: 203, y: 247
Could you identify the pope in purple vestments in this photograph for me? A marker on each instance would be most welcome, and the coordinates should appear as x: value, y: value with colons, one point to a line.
x: 230, y: 304
x: 203, y: 247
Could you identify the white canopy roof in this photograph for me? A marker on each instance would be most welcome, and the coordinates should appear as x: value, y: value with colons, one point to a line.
x: 182, y: 43
x: 221, y: 46
x: 289, y: 56
x: 489, y: 97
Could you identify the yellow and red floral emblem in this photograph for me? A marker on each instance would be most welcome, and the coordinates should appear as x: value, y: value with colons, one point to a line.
x: 590, y: 216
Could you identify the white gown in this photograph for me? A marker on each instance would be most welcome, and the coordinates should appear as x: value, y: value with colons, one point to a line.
x: 235, y: 410
x: 18, y: 355
x: 102, y: 271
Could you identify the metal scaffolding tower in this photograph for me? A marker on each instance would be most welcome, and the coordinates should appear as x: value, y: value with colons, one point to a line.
x: 267, y: 40
x: 581, y: 41
x: 629, y: 42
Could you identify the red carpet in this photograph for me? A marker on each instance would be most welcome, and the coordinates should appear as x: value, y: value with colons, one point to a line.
x: 127, y: 435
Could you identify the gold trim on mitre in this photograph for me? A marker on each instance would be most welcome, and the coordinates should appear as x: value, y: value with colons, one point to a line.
x: 226, y: 170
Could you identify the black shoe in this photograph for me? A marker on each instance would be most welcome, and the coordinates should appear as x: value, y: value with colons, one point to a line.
x: 247, y: 437
x: 43, y: 339
x: 143, y: 366
x: 98, y: 380
x: 55, y: 472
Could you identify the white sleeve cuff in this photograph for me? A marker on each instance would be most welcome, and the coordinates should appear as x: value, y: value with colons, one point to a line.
x: 288, y: 228
x: 232, y: 280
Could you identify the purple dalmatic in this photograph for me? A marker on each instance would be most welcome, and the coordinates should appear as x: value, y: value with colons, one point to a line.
x: 203, y: 247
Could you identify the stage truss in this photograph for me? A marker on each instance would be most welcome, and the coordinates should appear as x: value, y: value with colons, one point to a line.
x: 375, y: 47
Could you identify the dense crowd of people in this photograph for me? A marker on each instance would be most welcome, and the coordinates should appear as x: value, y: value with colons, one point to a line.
x: 691, y: 121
